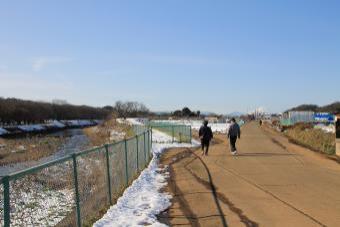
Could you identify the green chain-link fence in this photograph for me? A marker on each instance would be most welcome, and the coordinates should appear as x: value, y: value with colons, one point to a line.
x: 177, y: 133
x: 286, y: 122
x: 74, y: 190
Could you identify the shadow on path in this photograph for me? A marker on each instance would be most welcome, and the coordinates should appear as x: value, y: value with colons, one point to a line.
x: 211, y: 186
x: 219, y: 196
x: 264, y: 154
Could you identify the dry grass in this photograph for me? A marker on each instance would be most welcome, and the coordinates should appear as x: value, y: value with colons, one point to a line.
x: 29, y: 148
x: 315, y: 139
x: 101, y: 134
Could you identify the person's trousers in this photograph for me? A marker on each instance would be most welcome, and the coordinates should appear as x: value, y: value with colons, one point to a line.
x: 233, y: 140
x: 205, y: 145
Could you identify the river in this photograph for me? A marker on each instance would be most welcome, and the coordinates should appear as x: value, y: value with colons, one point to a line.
x: 76, y: 140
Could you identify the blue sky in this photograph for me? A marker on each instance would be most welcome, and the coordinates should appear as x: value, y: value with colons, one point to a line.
x: 219, y: 56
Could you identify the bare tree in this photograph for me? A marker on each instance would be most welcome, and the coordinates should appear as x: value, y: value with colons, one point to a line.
x: 130, y: 109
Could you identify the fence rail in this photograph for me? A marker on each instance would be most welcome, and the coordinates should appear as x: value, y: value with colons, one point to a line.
x: 76, y: 189
x: 177, y: 133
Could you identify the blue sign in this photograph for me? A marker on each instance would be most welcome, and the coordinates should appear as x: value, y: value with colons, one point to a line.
x: 324, y: 117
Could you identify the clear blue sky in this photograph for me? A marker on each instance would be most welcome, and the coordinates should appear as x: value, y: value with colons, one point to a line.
x: 219, y: 56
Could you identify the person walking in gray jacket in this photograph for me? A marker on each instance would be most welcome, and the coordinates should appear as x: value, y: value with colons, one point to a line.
x: 234, y: 132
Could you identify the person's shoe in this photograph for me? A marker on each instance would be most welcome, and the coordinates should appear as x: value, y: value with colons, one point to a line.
x: 234, y: 153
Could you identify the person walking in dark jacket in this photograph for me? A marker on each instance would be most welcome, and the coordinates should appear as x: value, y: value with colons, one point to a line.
x: 206, y: 135
x: 234, y: 132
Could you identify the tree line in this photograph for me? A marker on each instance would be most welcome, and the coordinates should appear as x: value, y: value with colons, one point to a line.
x: 186, y: 112
x: 331, y: 108
x: 17, y: 111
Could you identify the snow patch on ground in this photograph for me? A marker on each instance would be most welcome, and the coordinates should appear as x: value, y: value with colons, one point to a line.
x: 32, y: 207
x: 3, y: 131
x: 116, y: 136
x: 135, y: 121
x: 78, y: 123
x: 326, y: 128
x: 143, y: 201
x: 196, y: 125
x: 31, y: 128
x: 56, y: 124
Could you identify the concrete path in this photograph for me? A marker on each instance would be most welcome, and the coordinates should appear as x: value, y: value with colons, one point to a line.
x: 270, y: 183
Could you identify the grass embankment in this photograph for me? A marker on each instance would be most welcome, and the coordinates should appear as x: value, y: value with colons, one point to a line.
x: 314, y: 139
x: 33, y: 148
x: 108, y: 132
x: 28, y: 149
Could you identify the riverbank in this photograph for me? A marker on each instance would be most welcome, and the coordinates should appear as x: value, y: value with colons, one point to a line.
x: 15, y: 131
x: 306, y: 135
x: 109, y: 131
x: 28, y: 148
x: 22, y: 153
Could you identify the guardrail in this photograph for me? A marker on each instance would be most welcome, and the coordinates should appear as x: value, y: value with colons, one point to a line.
x: 74, y: 190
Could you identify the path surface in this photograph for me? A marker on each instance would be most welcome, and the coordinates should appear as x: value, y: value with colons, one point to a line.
x: 270, y: 183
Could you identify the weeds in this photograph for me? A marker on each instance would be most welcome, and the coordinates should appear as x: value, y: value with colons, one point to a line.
x: 29, y: 148
x: 314, y: 139
x: 102, y: 134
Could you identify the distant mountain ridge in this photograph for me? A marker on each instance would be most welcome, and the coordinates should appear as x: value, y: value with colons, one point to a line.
x: 235, y: 114
x: 330, y: 108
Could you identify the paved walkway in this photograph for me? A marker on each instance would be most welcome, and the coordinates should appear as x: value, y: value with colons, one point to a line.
x: 271, y: 183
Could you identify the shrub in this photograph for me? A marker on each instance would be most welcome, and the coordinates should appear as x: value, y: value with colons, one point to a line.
x: 315, y: 139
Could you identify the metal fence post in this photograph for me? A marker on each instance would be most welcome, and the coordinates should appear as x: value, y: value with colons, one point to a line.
x: 126, y: 163
x: 76, y: 186
x: 180, y: 137
x: 144, y: 149
x: 137, y: 142
x: 108, y: 167
x: 7, y: 204
x: 151, y: 143
x: 147, y: 147
x: 190, y: 135
x: 173, y: 134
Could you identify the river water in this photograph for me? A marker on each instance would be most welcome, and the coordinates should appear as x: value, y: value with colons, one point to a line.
x: 76, y: 140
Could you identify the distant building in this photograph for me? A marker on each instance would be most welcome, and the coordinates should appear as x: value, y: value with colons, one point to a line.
x: 293, y: 117
x: 258, y: 113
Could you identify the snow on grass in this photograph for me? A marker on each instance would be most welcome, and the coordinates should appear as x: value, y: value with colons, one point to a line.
x: 326, y: 128
x: 3, y: 131
x: 31, y: 128
x: 56, y: 124
x: 143, y: 201
x: 78, y: 123
x: 38, y: 206
x: 136, y: 121
x: 196, y: 124
x: 46, y: 198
